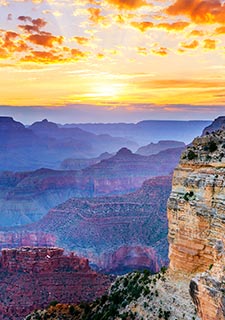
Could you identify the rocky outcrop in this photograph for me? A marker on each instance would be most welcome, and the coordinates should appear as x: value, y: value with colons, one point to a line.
x: 117, y: 234
x: 31, y: 278
x: 154, y: 148
x: 217, y: 124
x: 197, y: 222
x: 208, y: 289
x: 137, y: 296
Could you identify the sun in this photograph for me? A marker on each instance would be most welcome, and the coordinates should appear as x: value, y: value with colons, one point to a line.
x: 100, y: 91
x: 107, y: 90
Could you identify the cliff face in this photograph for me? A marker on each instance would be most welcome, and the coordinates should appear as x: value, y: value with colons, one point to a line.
x: 117, y: 234
x: 196, y: 213
x: 31, y: 278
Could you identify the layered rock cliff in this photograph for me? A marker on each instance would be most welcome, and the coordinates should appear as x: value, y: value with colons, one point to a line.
x: 26, y: 197
x: 196, y: 213
x: 31, y: 278
x: 117, y: 234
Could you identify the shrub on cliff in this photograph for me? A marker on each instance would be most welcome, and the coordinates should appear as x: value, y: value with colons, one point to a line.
x: 191, y: 155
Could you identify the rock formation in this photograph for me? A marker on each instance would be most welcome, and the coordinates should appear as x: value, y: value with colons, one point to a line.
x: 31, y: 278
x: 117, y: 234
x: 26, y: 197
x: 217, y: 124
x: 44, y: 144
x: 196, y: 213
x: 148, y: 131
x: 79, y: 164
x: 154, y: 148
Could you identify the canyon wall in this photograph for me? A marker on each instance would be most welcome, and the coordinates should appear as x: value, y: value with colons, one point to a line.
x: 31, y: 278
x: 196, y: 214
x: 117, y: 234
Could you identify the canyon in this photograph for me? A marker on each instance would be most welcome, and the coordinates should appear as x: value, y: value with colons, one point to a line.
x: 117, y: 233
x: 122, y: 232
x: 147, y: 131
x: 32, y: 278
x: 44, y: 144
x: 196, y: 218
x: 25, y: 197
x: 154, y: 148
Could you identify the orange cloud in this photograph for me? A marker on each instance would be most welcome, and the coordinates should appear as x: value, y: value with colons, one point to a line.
x: 200, y: 11
x: 49, y: 57
x: 95, y: 15
x: 128, y: 4
x: 196, y: 33
x: 45, y: 39
x: 81, y: 40
x: 142, y: 50
x: 210, y: 44
x: 220, y: 30
x: 142, y: 26
x: 3, y: 53
x: 11, y: 43
x: 43, y: 57
x: 78, y: 54
x: 193, y: 45
x: 175, y: 26
x: 161, y: 51
x: 100, y: 56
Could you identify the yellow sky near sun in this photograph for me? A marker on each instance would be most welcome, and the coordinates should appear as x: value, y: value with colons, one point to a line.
x: 58, y: 52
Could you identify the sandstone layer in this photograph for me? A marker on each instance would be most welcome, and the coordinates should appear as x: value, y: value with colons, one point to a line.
x: 31, y: 278
x: 196, y: 213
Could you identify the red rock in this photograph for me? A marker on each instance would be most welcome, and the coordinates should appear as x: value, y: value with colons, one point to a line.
x: 30, y: 278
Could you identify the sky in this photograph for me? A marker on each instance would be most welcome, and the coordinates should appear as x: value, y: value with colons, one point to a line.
x: 112, y: 60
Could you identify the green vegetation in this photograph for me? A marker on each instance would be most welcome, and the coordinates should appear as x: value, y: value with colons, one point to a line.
x: 134, y: 288
x: 53, y: 303
x: 210, y: 266
x: 189, y: 196
x: 212, y: 146
x: 191, y: 155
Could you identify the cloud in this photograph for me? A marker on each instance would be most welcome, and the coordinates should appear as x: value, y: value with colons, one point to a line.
x: 95, y: 15
x: 142, y: 26
x: 128, y: 4
x: 175, y: 26
x: 199, y: 11
x: 9, y: 17
x: 45, y: 39
x: 78, y: 54
x: 3, y: 53
x: 43, y: 57
x: 196, y: 33
x: 142, y: 50
x: 11, y: 42
x: 220, y: 30
x: 160, y: 52
x: 193, y: 45
x: 100, y: 56
x: 34, y: 26
x: 210, y: 44
x: 81, y: 40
